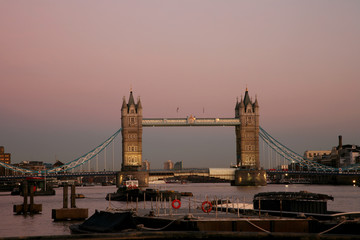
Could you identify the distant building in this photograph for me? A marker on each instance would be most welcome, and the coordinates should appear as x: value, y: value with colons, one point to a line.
x: 294, y: 167
x: 5, y: 158
x: 145, y: 165
x: 168, y: 165
x: 32, y: 165
x: 178, y: 165
x: 48, y: 165
x: 311, y: 155
x: 58, y: 163
x: 340, y: 156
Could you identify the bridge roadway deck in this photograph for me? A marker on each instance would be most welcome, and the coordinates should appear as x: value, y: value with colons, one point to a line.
x: 190, y: 121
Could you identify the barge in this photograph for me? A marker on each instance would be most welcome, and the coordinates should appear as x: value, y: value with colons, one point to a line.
x: 130, y: 191
x: 303, y: 202
x: 272, y: 212
x: 132, y: 195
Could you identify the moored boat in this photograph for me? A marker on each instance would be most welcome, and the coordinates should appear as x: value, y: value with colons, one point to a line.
x: 39, y: 186
x: 130, y: 191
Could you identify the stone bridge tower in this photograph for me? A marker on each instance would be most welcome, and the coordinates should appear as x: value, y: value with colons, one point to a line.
x: 247, y: 134
x: 247, y: 143
x: 131, y: 124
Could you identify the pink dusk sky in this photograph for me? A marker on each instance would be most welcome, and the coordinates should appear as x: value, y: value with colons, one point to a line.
x: 66, y: 65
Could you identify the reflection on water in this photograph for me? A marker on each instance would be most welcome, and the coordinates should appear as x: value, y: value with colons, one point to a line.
x: 345, y: 199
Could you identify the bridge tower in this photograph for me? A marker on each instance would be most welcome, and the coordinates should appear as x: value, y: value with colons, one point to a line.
x: 247, y: 143
x: 247, y: 134
x: 131, y: 124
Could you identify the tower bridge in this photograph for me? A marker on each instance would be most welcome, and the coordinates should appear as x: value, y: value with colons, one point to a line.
x: 246, y: 123
x: 247, y: 135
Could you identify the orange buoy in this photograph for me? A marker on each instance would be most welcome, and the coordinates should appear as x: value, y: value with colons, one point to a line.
x: 176, y: 204
x: 206, y: 206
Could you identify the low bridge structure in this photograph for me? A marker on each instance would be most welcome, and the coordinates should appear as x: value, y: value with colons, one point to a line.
x: 226, y: 174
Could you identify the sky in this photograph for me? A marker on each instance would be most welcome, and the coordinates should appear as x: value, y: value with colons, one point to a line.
x: 66, y: 65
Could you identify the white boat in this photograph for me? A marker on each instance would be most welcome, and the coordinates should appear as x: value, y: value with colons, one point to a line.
x: 157, y: 182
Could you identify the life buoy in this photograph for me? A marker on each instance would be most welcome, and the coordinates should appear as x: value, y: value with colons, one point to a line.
x: 206, y: 206
x: 176, y: 204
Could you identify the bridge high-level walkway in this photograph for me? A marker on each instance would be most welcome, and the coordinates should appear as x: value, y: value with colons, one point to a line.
x: 188, y: 122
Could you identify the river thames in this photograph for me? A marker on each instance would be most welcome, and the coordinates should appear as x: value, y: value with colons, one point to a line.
x: 346, y: 199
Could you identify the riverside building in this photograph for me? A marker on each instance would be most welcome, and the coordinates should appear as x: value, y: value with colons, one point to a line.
x: 5, y: 158
x: 339, y: 157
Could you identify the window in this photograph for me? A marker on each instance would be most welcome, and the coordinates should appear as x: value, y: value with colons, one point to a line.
x: 132, y: 148
x: 132, y: 136
x: 132, y: 121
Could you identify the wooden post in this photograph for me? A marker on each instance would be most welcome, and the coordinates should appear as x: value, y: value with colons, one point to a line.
x: 31, y: 207
x: 65, y: 196
x: 207, y: 199
x: 189, y: 204
x: 244, y: 206
x: 137, y: 200
x: 25, y: 193
x: 170, y: 209
x: 216, y: 207
x: 232, y: 200
x: 259, y: 208
x: 73, y: 195
x: 170, y: 206
x: 227, y: 205
x: 127, y: 200
x: 157, y: 206
x: 164, y: 205
x: 160, y: 202
x: 144, y: 200
x: 238, y: 207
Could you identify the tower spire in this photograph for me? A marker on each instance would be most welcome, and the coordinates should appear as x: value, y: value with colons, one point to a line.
x: 131, y: 99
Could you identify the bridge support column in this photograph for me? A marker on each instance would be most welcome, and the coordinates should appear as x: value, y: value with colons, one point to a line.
x: 247, y: 134
x: 250, y: 178
x: 142, y: 177
x: 131, y: 124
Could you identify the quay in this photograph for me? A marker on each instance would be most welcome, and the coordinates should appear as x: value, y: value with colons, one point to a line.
x: 210, y: 235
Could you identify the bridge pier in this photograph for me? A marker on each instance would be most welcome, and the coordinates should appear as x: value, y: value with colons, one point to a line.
x: 141, y: 176
x: 250, y: 178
